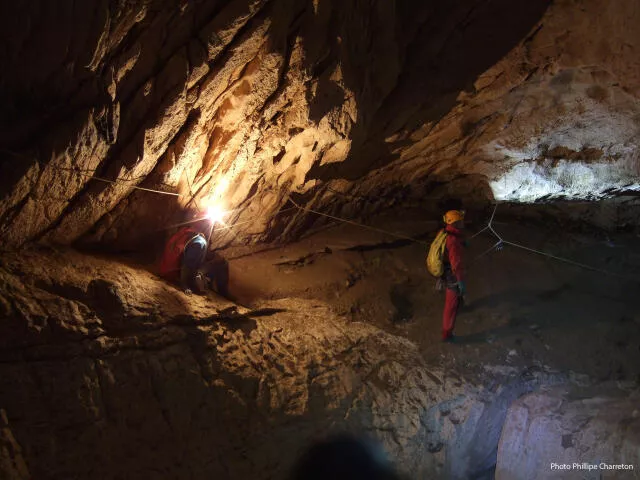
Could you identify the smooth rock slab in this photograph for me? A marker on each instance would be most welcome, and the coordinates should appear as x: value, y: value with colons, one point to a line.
x: 576, y: 429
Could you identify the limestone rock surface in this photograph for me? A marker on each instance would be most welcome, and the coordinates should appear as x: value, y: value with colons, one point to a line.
x: 338, y: 105
x: 576, y: 428
x: 106, y: 371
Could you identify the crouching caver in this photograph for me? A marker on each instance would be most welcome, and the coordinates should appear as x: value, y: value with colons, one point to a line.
x: 187, y: 259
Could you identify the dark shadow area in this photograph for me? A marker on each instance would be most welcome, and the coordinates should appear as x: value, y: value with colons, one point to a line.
x: 59, y: 63
x: 344, y: 457
x: 306, y: 259
x: 230, y: 317
x: 382, y: 245
x: 521, y: 298
x: 45, y: 79
x: 457, y: 42
x: 402, y: 304
x: 447, y: 203
x: 328, y: 96
x: 482, y: 337
x: 109, y: 302
x: 264, y: 312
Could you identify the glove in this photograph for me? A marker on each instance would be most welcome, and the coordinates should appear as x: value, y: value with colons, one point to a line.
x: 462, y: 289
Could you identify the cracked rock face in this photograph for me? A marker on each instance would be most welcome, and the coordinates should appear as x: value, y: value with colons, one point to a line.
x: 107, y: 371
x: 248, y: 102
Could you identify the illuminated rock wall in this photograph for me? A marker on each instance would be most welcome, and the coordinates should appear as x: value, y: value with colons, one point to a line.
x: 247, y: 102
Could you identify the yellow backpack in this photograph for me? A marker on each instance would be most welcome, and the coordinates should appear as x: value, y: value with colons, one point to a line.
x: 435, y: 263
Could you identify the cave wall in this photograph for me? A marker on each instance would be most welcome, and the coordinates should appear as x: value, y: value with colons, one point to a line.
x: 341, y: 104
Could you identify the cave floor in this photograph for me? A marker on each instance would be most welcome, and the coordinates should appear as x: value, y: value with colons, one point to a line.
x: 325, y: 337
x: 523, y: 311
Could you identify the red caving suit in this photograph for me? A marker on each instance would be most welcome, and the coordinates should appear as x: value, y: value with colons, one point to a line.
x: 453, y: 273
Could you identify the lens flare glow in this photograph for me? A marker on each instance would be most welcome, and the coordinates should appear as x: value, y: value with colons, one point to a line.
x: 216, y: 213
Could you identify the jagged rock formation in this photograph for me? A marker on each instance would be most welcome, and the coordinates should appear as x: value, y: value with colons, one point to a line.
x: 107, y: 371
x: 569, y: 427
x: 250, y: 101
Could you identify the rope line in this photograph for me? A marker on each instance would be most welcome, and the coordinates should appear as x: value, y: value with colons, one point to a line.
x: 501, y: 241
x: 193, y: 195
x: 570, y: 262
x: 489, y: 225
x: 497, y: 244
x: 89, y: 172
x: 133, y: 186
x: 226, y: 227
x: 478, y: 233
x: 116, y: 181
x: 351, y: 222
x: 175, y: 225
x: 366, y: 197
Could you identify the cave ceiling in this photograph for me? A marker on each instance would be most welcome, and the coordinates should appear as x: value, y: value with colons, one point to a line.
x: 247, y: 104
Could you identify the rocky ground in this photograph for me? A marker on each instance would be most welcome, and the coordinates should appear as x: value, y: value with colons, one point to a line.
x: 106, y: 371
x: 522, y: 309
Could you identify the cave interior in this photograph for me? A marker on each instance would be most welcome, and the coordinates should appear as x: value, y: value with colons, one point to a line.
x: 318, y: 144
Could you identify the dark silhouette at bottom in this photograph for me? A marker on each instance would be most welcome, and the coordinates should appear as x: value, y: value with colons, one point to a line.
x: 344, y: 457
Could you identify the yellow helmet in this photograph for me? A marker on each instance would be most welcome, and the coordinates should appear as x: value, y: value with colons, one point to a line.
x: 453, y: 216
